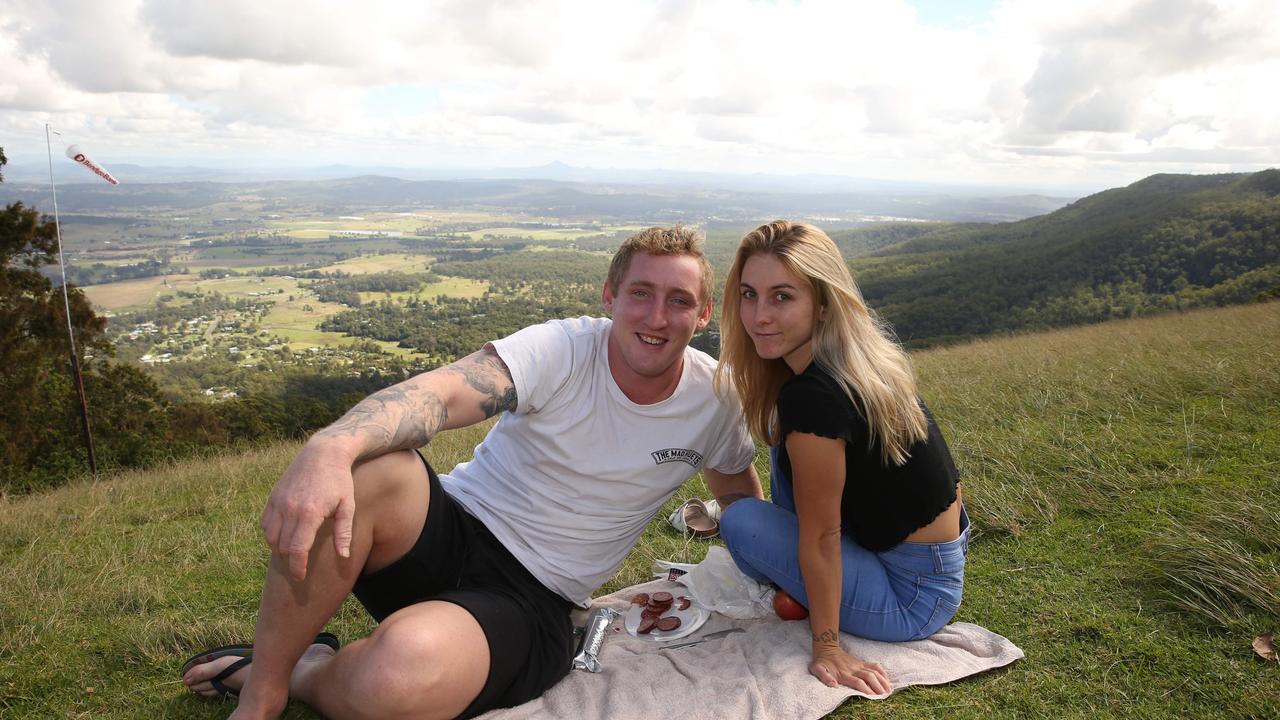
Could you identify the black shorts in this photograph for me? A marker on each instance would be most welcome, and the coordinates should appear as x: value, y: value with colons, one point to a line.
x: 458, y: 560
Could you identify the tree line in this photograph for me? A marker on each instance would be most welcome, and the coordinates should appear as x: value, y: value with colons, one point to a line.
x: 452, y: 327
x: 347, y: 288
x: 99, y: 273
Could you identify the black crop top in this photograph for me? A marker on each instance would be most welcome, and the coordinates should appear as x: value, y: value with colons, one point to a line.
x: 881, y: 505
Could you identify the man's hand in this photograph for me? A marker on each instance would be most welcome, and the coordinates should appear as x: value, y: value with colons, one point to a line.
x: 316, y: 486
x: 835, y: 667
x: 318, y: 483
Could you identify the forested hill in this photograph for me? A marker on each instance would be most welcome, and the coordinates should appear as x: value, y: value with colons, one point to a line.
x: 1166, y: 242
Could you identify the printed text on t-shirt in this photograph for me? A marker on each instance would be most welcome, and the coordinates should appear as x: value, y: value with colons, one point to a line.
x: 692, y: 457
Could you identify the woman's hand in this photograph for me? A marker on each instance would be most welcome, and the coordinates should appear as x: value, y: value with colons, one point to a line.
x: 835, y: 667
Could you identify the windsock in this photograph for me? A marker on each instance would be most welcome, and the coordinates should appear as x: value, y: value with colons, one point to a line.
x: 75, y: 153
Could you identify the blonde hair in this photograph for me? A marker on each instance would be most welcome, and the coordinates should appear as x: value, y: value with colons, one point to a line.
x: 675, y: 240
x: 849, y: 341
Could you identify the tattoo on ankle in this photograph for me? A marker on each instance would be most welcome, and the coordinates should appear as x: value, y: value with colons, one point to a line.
x: 729, y: 498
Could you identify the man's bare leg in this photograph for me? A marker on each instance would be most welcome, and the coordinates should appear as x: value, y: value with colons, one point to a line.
x: 392, y: 497
x: 425, y: 661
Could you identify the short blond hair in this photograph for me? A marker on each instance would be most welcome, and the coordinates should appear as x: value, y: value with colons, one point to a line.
x: 675, y: 240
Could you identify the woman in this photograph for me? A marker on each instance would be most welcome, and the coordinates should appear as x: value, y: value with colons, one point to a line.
x: 866, y: 528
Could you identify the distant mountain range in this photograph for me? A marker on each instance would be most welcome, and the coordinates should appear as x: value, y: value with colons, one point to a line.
x: 576, y: 200
x: 36, y: 171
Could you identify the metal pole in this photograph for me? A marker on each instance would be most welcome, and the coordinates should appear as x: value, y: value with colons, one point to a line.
x: 66, y: 304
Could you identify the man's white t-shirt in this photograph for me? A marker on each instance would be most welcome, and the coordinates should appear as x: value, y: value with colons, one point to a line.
x: 568, y: 482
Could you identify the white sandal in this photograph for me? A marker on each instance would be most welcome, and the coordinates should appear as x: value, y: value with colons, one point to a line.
x: 697, y: 518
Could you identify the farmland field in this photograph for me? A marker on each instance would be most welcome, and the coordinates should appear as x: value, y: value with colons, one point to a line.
x: 378, y: 263
x: 137, y: 293
x: 448, y: 286
x: 557, y: 235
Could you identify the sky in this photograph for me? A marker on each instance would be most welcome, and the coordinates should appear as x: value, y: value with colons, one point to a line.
x: 1081, y: 94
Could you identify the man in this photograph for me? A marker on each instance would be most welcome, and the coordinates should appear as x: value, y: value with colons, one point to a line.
x: 472, y: 575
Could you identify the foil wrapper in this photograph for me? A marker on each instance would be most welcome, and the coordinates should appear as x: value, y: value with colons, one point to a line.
x: 597, y: 628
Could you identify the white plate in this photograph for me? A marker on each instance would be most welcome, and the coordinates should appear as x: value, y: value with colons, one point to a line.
x: 690, y: 620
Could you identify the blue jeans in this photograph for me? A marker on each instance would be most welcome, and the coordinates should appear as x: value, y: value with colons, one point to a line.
x: 907, y: 592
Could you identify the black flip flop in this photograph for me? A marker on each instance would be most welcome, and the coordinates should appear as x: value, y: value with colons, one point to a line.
x: 245, y: 653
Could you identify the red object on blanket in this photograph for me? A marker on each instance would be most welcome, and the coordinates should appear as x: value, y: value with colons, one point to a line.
x: 787, y: 607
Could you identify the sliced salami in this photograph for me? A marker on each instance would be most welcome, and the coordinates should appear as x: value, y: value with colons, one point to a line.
x: 667, y: 624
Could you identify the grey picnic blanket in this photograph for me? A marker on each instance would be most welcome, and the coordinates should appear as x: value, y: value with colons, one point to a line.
x: 760, y: 673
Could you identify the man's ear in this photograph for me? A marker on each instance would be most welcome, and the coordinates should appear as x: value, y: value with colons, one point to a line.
x: 706, y: 315
x: 606, y: 297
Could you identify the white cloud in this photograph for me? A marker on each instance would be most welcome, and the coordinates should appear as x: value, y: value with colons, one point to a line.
x: 1128, y: 68
x: 1095, y: 92
x: 93, y: 47
x: 322, y: 32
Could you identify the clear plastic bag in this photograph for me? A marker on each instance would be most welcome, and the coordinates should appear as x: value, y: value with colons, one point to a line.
x: 717, y: 584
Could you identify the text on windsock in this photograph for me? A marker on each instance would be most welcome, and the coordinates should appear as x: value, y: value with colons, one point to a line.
x: 75, y: 153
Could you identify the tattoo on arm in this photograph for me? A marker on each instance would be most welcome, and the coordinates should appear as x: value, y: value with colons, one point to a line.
x: 406, y: 416
x: 827, y: 637
x: 484, y: 371
x: 395, y: 418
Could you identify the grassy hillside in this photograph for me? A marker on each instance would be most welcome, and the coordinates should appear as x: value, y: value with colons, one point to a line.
x: 1121, y: 478
x: 1166, y: 242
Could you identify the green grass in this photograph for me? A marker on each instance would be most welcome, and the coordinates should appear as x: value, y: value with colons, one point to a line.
x: 321, y: 227
x: 137, y: 293
x: 1121, y: 479
x: 368, y: 264
x: 551, y: 235
x: 455, y: 287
